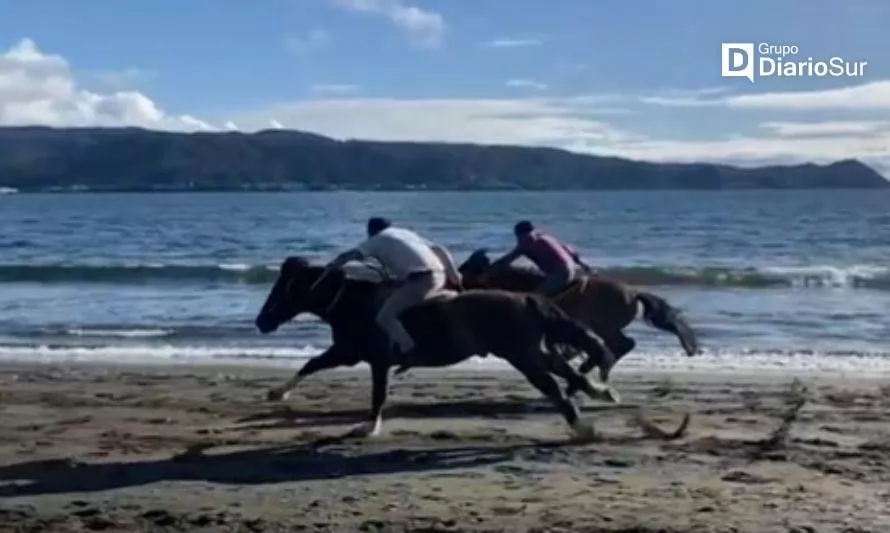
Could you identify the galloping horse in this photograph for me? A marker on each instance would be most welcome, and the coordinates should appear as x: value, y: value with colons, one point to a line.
x: 447, y: 330
x: 606, y: 306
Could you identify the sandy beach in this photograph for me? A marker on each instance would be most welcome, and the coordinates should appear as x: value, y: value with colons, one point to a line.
x: 89, y: 448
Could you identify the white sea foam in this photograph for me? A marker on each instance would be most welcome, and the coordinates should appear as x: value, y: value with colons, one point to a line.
x: 157, y: 354
x: 235, y: 267
x: 134, y: 333
x: 725, y: 361
x: 831, y: 276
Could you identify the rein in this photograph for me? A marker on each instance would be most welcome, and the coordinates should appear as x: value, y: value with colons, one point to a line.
x: 336, y: 299
x: 337, y: 295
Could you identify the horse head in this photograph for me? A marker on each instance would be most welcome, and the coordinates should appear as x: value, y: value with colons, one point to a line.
x: 292, y: 294
x: 476, y: 266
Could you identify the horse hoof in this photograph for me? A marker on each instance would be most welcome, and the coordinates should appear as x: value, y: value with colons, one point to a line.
x: 365, y: 430
x: 606, y: 393
x: 583, y: 431
x: 276, y: 395
x: 611, y: 395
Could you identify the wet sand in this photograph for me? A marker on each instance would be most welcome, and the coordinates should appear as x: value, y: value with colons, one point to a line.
x: 90, y: 448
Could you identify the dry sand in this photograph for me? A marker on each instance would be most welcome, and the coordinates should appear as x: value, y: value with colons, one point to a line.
x: 86, y: 448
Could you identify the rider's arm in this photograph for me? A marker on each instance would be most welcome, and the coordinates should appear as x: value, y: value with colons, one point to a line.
x: 576, y: 257
x: 354, y: 254
x: 511, y: 256
x: 584, y: 265
x: 358, y: 253
x: 448, y: 262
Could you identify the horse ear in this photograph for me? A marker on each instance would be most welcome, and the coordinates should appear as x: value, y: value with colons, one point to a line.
x: 292, y: 264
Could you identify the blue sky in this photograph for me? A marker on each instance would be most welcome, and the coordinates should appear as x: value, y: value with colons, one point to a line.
x: 621, y: 77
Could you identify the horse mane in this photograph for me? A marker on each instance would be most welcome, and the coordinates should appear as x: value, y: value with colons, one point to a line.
x: 523, y: 273
x: 518, y: 275
x: 351, y: 285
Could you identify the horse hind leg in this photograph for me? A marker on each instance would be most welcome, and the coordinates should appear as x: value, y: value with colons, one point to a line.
x: 577, y: 381
x: 530, y: 366
x: 620, y: 345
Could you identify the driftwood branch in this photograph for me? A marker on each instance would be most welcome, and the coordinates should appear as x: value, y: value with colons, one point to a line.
x: 651, y: 430
x: 798, y: 395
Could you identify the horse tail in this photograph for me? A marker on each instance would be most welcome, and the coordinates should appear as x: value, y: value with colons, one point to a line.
x: 560, y: 328
x: 658, y: 313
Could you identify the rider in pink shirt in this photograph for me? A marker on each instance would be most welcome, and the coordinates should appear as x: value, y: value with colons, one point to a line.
x: 557, y: 260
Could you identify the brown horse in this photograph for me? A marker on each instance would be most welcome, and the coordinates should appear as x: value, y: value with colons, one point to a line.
x: 606, y: 306
x: 447, y: 330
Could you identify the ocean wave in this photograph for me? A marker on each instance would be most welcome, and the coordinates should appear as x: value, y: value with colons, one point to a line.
x: 861, y: 276
x: 136, y: 273
x: 857, y: 276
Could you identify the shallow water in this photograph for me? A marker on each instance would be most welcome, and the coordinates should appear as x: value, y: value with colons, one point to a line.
x: 770, y: 278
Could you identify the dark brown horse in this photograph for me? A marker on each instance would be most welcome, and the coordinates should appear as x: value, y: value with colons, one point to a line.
x: 447, y: 330
x: 606, y: 306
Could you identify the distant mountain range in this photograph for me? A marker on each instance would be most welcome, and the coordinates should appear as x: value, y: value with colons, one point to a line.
x: 40, y: 159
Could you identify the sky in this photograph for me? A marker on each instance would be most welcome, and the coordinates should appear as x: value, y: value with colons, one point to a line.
x: 629, y: 78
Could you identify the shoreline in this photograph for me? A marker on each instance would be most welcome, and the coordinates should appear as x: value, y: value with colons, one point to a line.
x: 284, y: 368
x: 132, y: 448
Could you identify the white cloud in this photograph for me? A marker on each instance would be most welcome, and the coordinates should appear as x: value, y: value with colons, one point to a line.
x: 515, y: 43
x: 685, y: 97
x: 38, y: 88
x: 572, y: 123
x: 426, y: 27
x: 755, y: 150
x: 526, y: 84
x: 868, y: 96
x: 500, y: 121
x: 874, y: 95
x: 334, y: 89
x: 837, y: 127
x: 313, y: 40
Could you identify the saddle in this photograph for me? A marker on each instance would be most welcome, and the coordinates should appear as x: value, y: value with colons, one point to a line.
x: 388, y: 287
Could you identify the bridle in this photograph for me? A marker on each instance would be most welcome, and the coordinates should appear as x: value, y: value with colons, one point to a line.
x: 336, y: 299
x: 288, y: 294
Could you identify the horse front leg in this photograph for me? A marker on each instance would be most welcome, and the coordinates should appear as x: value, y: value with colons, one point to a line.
x: 333, y: 357
x: 379, y: 391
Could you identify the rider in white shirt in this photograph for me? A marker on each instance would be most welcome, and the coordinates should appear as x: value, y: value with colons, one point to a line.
x: 420, y: 267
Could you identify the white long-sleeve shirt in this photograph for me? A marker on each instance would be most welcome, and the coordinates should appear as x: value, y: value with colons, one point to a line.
x: 403, y: 252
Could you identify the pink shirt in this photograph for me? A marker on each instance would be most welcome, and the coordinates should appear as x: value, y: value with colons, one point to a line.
x: 547, y: 253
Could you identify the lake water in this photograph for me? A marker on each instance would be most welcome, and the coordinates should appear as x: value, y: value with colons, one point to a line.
x: 769, y: 278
